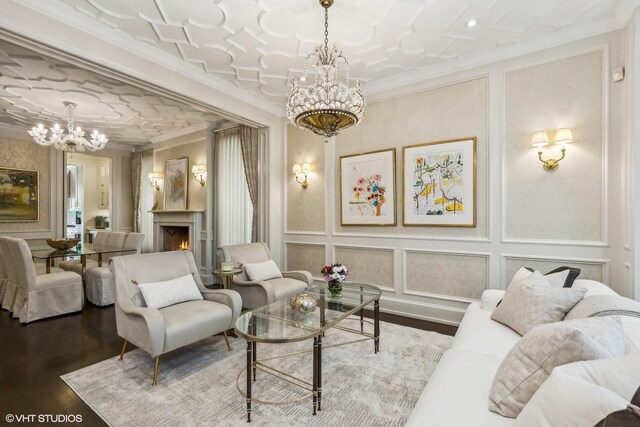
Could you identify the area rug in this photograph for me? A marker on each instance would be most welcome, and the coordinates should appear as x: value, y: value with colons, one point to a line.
x: 197, y: 384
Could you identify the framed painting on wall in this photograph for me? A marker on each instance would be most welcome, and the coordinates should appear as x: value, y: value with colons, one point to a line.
x: 19, y: 195
x: 175, y: 184
x: 439, y: 183
x: 367, y: 188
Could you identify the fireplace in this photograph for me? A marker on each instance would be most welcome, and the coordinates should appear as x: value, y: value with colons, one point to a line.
x: 174, y: 238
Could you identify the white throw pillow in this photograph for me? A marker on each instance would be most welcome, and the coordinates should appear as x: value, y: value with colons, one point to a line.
x: 586, y: 391
x: 556, y: 279
x: 263, y: 270
x: 162, y: 294
x: 534, y: 301
x: 531, y: 360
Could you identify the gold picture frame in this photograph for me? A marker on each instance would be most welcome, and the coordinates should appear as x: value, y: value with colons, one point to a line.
x: 368, y: 188
x: 19, y: 195
x: 176, y: 184
x: 448, y: 198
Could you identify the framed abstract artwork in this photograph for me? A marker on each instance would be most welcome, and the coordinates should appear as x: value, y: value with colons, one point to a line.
x: 439, y: 183
x: 367, y: 188
x: 175, y: 184
x: 19, y: 195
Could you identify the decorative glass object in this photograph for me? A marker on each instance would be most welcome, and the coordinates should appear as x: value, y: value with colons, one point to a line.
x: 304, y: 303
x: 335, y: 288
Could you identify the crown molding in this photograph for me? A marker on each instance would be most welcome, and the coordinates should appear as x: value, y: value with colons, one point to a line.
x: 179, y: 133
x: 624, y: 10
x: 14, y: 132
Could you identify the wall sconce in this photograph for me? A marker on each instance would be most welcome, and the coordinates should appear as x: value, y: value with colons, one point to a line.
x: 200, y: 174
x: 302, y: 172
x: 539, y: 140
x: 154, y: 179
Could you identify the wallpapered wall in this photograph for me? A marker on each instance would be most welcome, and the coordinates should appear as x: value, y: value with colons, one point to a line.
x: 525, y: 216
x: 26, y: 155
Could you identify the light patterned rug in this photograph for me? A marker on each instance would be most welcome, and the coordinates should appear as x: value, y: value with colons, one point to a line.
x: 197, y: 384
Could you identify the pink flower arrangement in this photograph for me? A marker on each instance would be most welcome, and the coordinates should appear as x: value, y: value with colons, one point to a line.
x: 335, y: 273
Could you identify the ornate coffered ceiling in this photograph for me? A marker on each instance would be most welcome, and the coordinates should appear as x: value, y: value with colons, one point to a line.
x: 33, y: 87
x: 260, y: 45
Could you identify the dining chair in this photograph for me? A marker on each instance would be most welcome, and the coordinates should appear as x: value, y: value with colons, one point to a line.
x: 41, y: 296
x: 4, y: 268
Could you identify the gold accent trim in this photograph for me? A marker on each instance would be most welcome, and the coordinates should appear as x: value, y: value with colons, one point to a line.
x: 155, y: 371
x: 475, y: 189
x: 551, y: 165
x: 395, y: 198
x: 124, y: 347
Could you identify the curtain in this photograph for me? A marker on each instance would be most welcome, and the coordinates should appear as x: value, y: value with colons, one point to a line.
x: 147, y: 193
x: 136, y: 167
x: 249, y: 144
x: 234, y: 207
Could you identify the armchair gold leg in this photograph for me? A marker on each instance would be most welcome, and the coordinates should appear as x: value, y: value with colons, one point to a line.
x: 124, y: 347
x: 226, y: 339
x: 155, y: 371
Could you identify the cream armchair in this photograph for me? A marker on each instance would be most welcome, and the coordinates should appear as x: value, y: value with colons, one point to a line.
x: 260, y: 293
x: 158, y: 331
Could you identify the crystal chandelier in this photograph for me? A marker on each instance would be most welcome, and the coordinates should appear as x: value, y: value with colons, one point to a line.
x: 74, y: 141
x: 329, y: 105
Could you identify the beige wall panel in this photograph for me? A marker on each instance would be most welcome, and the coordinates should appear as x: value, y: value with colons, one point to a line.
x: 368, y: 265
x: 310, y: 258
x: 454, y: 111
x: 305, y: 208
x: 126, y: 196
x: 29, y: 155
x: 592, y: 271
x: 565, y: 204
x: 454, y: 275
x: 197, y: 154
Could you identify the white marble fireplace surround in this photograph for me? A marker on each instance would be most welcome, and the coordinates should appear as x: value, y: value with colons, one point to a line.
x: 189, y: 218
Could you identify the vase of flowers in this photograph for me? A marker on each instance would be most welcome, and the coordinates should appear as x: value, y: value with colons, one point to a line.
x: 335, y: 274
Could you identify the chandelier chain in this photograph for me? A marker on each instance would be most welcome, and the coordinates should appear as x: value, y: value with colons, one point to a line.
x: 326, y: 31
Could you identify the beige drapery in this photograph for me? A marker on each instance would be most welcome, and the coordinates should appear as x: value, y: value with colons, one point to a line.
x: 249, y: 145
x: 136, y: 169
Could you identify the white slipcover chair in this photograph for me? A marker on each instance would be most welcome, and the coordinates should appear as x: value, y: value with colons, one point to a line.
x: 4, y: 268
x: 41, y: 296
x: 101, y: 239
x: 158, y: 331
x: 100, y: 280
x: 258, y: 293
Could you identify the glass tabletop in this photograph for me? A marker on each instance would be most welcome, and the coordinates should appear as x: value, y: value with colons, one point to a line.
x: 87, y: 249
x: 279, y: 323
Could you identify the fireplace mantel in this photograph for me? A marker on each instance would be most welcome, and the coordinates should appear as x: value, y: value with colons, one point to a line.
x: 180, y: 218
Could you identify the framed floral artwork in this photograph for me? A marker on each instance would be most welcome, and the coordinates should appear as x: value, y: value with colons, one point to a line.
x: 367, y: 188
x: 439, y: 183
x: 19, y: 195
x: 175, y: 184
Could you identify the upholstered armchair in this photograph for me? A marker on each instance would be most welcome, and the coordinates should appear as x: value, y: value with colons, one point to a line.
x: 262, y: 292
x: 158, y: 331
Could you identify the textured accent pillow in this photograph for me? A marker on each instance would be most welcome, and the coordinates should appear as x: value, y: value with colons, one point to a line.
x: 587, y: 391
x: 532, y: 359
x: 534, y: 301
x: 263, y: 270
x: 162, y: 294
x: 561, y: 277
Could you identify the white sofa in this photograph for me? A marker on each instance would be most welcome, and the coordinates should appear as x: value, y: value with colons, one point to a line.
x: 458, y: 392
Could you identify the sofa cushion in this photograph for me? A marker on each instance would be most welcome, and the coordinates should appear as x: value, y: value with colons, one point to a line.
x: 162, y: 294
x: 533, y: 358
x: 262, y: 270
x: 457, y: 391
x: 587, y: 391
x: 479, y: 334
x: 192, y: 321
x: 561, y: 277
x: 534, y: 301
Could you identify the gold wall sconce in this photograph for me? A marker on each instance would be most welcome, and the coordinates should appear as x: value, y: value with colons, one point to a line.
x: 540, y: 139
x: 199, y: 174
x: 155, y: 178
x: 301, y: 173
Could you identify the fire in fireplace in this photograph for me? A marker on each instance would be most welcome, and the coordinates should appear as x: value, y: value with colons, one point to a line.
x: 175, y: 238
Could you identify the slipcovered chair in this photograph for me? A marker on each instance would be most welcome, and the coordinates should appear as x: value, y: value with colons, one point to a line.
x: 100, y: 280
x: 41, y: 296
x: 158, y: 331
x: 262, y: 292
x: 101, y: 239
x: 4, y: 268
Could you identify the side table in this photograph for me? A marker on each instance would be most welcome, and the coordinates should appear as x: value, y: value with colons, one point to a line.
x: 227, y: 276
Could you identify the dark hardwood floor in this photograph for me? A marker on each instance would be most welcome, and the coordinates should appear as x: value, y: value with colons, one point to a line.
x: 33, y: 356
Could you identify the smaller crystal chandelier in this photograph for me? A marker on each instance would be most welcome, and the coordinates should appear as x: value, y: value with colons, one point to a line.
x: 74, y: 141
x: 329, y: 105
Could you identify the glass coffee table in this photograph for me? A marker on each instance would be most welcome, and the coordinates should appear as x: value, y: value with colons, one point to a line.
x: 279, y: 323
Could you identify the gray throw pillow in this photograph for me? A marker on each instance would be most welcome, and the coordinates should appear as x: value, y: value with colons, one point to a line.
x: 533, y: 301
